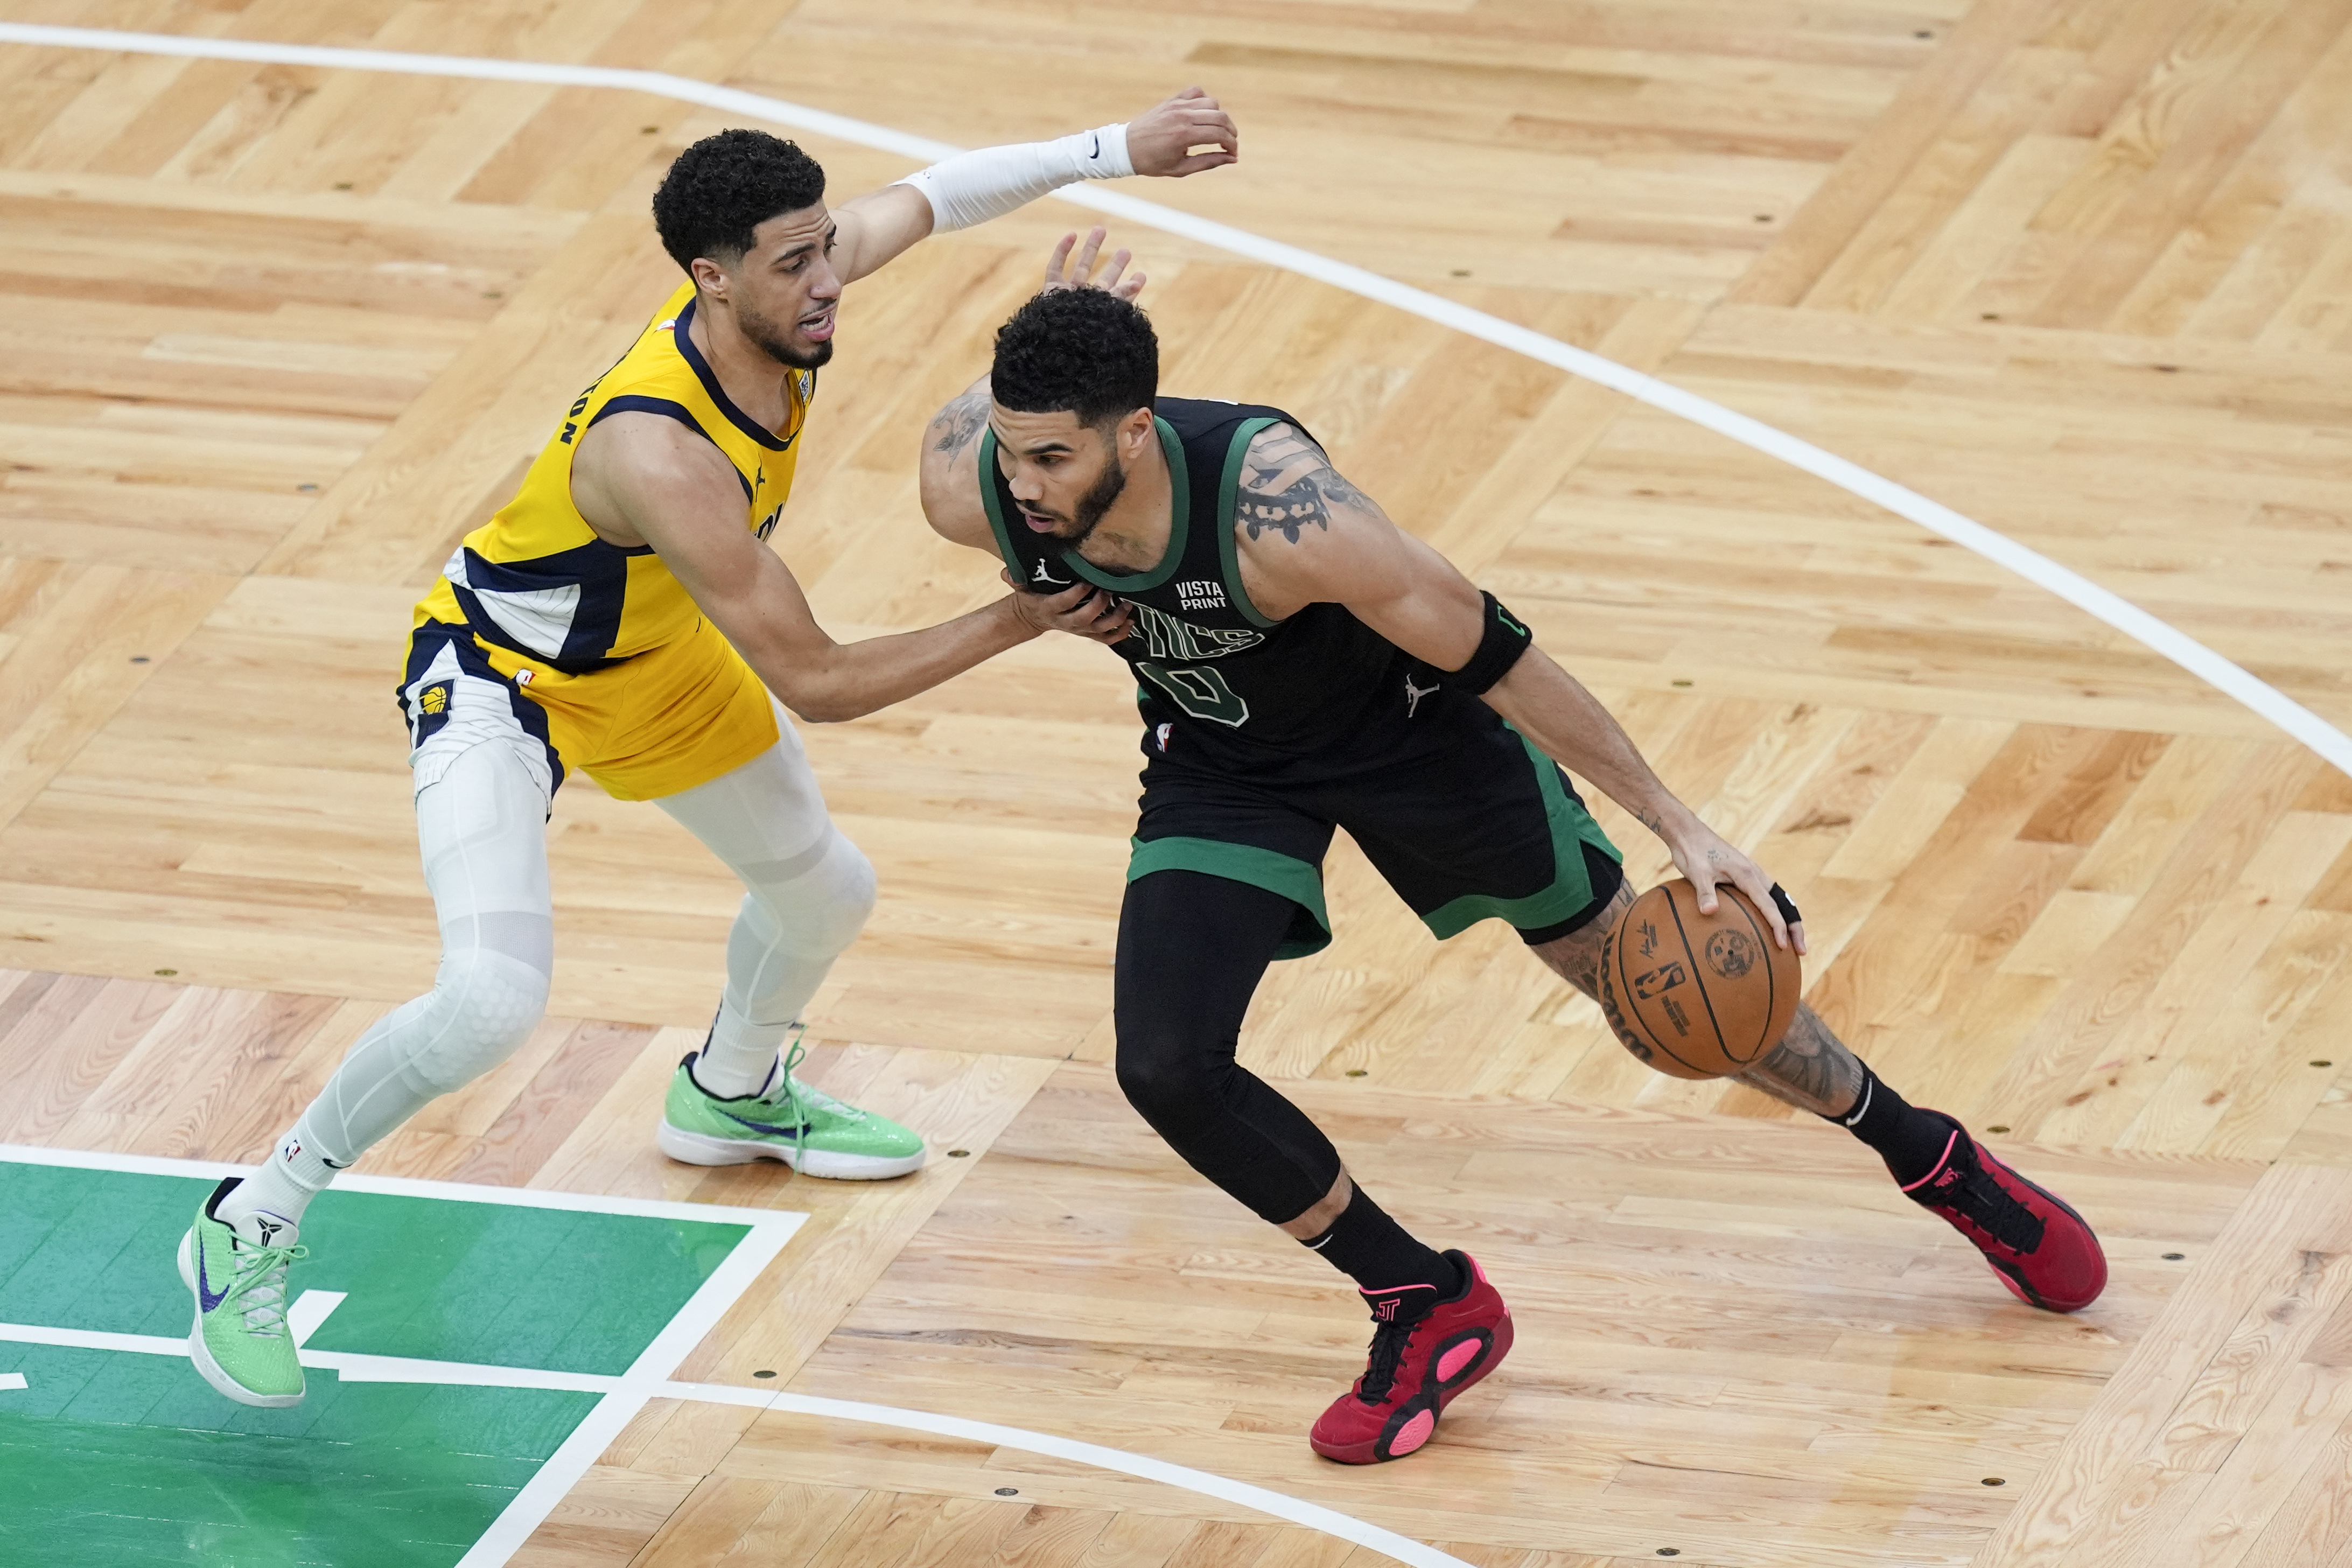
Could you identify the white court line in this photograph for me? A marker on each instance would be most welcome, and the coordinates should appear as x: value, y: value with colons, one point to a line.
x: 404, y: 1187
x: 2125, y: 616
x: 623, y: 1396
x: 12, y: 1380
x: 649, y: 1376
x: 767, y: 1230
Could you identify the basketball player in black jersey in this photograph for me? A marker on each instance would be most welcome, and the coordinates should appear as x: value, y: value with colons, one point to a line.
x: 1302, y: 662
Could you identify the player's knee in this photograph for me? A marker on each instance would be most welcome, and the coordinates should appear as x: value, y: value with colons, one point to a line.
x: 1170, y: 1086
x: 822, y: 909
x: 485, y: 1004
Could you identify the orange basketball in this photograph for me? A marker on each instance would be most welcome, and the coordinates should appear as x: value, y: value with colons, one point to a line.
x: 1697, y: 996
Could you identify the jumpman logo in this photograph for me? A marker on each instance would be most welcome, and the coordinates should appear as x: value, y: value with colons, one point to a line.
x: 1042, y: 575
x: 1414, y: 694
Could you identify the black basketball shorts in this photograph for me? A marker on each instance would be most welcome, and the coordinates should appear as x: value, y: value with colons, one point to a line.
x: 1482, y: 827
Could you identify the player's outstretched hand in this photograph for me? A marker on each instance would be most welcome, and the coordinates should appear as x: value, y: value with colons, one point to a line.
x: 1062, y: 272
x: 1083, y: 611
x: 1160, y: 140
x: 1701, y: 855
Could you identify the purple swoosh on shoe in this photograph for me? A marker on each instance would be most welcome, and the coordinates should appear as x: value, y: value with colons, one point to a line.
x: 793, y: 1132
x: 206, y: 1297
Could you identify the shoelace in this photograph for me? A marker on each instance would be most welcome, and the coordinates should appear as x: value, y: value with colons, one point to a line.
x: 1390, y: 1341
x: 257, y: 1288
x: 801, y: 1097
x: 1984, y: 1203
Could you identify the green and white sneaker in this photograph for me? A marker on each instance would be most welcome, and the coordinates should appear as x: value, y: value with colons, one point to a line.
x: 241, y: 1343
x: 805, y: 1127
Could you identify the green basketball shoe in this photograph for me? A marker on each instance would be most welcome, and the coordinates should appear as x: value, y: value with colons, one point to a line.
x: 240, y: 1341
x: 805, y: 1127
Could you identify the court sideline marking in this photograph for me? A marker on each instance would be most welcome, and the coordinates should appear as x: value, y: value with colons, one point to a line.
x: 649, y: 1376
x: 623, y: 1396
x: 2161, y: 636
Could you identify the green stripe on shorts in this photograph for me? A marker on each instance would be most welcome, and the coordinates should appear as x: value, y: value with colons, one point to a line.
x: 1302, y: 884
x: 1571, y: 887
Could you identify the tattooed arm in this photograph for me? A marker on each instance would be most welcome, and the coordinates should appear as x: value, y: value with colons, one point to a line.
x: 951, y: 470
x: 1305, y: 534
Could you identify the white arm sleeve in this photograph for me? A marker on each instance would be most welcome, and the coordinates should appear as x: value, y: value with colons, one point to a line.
x: 972, y: 187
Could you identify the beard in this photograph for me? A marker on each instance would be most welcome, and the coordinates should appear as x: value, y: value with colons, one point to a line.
x: 764, y: 336
x: 1093, y: 506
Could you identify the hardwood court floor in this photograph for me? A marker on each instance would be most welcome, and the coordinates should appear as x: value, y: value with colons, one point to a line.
x: 275, y: 336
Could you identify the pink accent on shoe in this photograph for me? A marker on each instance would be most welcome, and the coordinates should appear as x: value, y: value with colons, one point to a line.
x: 1413, y: 1433
x: 1367, y: 1292
x: 1455, y: 1359
x: 1949, y: 1144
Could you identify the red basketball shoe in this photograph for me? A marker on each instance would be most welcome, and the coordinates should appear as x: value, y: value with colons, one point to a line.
x: 2040, y: 1247
x: 1419, y: 1364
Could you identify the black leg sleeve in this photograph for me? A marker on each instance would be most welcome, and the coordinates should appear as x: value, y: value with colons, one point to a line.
x: 1192, y: 949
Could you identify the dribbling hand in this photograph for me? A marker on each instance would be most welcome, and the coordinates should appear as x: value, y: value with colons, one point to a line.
x: 1701, y: 855
x: 1083, y: 611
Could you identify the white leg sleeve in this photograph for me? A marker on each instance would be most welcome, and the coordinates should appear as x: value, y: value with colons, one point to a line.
x: 808, y: 892
x: 483, y: 826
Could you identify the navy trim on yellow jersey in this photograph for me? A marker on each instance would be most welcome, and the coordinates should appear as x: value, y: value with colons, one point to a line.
x: 600, y: 569
x: 681, y: 334
x: 630, y: 403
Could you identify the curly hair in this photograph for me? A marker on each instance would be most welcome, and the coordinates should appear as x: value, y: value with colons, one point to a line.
x: 1086, y: 350
x: 724, y: 187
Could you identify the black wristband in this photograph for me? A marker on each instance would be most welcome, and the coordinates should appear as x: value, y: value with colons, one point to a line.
x: 1500, y: 648
x: 1787, y: 906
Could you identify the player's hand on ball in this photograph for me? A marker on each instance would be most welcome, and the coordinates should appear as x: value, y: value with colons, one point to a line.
x: 1062, y: 272
x: 1702, y: 855
x: 1083, y: 611
x: 1160, y: 140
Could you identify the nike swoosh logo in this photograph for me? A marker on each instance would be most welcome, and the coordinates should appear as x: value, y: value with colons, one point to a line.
x: 765, y: 1127
x: 206, y: 1297
x: 1097, y: 149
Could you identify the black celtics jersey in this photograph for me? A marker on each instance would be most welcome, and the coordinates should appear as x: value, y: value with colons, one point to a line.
x: 1219, y: 683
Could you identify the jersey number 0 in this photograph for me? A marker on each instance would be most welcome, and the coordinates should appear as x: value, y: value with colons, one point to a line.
x: 1201, y: 692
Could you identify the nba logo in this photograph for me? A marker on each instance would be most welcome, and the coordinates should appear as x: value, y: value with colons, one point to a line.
x: 1164, y: 731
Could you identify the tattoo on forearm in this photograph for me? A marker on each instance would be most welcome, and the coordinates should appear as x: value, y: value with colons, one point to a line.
x: 1810, y: 1068
x: 1289, y: 486
x: 959, y: 424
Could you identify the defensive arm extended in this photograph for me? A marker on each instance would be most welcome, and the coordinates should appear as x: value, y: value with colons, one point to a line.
x: 972, y: 187
x: 647, y: 476
x: 1310, y: 536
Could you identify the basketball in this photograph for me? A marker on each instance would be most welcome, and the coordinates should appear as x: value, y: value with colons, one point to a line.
x: 1697, y: 996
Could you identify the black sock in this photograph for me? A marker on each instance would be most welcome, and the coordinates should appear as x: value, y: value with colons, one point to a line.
x: 1381, y: 1254
x: 1911, y: 1140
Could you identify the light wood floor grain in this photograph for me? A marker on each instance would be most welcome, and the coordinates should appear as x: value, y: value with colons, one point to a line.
x: 2081, y: 268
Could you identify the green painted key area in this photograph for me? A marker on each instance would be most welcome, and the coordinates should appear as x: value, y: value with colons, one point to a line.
x: 128, y: 1459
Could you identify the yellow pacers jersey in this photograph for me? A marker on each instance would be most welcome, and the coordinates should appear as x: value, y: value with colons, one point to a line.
x: 536, y: 579
x: 635, y: 687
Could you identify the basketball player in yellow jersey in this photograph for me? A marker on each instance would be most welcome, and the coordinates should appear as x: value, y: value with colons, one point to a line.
x: 623, y: 616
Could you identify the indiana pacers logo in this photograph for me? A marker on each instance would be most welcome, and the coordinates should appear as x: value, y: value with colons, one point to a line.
x: 433, y: 699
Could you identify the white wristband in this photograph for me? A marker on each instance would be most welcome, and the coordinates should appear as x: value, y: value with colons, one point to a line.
x: 972, y: 187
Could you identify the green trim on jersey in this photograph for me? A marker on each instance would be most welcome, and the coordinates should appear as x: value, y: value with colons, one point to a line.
x: 1228, y: 498
x: 1278, y: 874
x: 1571, y: 888
x: 1180, y: 520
